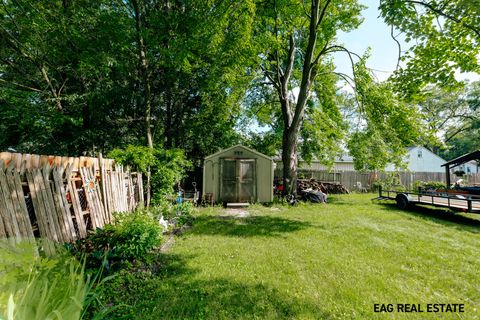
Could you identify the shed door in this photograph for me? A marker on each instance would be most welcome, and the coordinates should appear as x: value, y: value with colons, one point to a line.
x: 238, y: 180
x: 229, y: 180
x: 246, y: 181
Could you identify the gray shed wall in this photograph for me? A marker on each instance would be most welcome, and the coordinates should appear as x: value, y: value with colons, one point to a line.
x: 264, y: 172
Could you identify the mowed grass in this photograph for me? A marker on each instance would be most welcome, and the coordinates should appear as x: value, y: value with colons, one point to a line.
x: 326, y: 261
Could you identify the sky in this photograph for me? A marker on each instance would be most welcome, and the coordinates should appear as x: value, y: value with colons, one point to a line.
x: 374, y: 33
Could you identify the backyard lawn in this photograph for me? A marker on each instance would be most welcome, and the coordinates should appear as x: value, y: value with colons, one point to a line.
x: 325, y: 261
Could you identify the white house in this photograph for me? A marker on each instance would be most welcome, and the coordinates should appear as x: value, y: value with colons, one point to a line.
x: 343, y: 163
x: 420, y: 159
x: 469, y: 167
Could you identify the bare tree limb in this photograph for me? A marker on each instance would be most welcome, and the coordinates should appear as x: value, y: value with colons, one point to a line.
x: 22, y: 86
x: 399, y: 47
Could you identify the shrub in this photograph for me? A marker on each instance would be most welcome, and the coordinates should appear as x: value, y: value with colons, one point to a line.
x: 390, y: 181
x: 131, y: 238
x: 429, y: 185
x: 136, y: 234
x: 167, y: 167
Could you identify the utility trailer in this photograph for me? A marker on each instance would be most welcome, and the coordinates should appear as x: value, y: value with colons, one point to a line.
x: 457, y: 202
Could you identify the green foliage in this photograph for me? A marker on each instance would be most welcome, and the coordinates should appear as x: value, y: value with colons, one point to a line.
x: 445, y: 38
x: 70, y: 81
x: 390, y: 181
x: 167, y: 167
x: 268, y: 266
x: 184, y: 212
x: 387, y: 125
x: 131, y: 238
x: 176, y: 214
x: 33, y: 286
x: 454, y: 114
x: 324, y: 125
x: 283, y: 37
x: 428, y: 185
x: 139, y: 158
x: 135, y: 234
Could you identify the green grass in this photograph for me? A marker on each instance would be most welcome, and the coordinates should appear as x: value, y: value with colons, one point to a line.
x: 331, y: 261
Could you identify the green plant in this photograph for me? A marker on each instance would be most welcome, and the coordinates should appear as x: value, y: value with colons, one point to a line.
x: 136, y: 234
x: 34, y: 286
x: 167, y: 167
x: 429, y: 185
x: 391, y: 180
x: 184, y: 212
x: 118, y: 245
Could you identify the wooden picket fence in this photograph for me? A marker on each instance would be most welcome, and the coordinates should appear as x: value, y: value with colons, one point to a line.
x: 61, y: 198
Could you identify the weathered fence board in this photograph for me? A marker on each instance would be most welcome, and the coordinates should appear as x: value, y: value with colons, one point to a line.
x: 351, y: 179
x: 61, y: 198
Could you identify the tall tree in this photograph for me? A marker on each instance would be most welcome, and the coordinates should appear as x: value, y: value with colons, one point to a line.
x: 121, y: 72
x: 297, y: 37
x: 453, y: 115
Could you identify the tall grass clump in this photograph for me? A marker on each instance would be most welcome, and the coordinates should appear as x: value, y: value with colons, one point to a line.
x: 35, y: 286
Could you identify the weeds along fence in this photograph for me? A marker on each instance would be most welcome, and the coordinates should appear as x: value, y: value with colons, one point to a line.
x: 61, y: 198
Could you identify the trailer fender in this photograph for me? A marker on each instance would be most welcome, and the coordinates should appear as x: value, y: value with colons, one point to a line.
x: 403, y: 200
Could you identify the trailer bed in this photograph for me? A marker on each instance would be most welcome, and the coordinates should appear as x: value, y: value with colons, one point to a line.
x: 464, y: 202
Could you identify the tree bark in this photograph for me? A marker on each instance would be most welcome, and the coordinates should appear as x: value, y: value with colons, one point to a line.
x: 293, y: 113
x: 289, y: 159
x: 143, y: 61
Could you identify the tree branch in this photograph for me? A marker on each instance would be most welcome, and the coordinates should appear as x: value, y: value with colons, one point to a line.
x: 399, y: 47
x: 274, y: 83
x: 290, y: 61
x: 322, y: 15
x: 22, y: 86
x: 305, y: 9
x: 430, y: 6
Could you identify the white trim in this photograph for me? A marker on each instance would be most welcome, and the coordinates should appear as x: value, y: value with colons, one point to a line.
x: 240, y: 146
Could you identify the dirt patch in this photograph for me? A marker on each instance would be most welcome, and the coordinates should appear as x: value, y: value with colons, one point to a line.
x: 235, y: 213
x: 167, y: 244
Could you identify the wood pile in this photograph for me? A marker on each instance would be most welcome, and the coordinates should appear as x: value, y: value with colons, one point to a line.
x: 325, y: 187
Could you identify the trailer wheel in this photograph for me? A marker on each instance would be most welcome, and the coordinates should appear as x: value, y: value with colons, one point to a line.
x: 402, y: 201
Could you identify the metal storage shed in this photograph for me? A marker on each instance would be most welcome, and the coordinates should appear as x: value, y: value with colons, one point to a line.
x: 238, y: 174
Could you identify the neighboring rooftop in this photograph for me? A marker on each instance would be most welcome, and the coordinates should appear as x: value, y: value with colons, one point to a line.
x: 475, y: 155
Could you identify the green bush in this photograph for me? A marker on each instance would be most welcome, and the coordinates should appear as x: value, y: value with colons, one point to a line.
x: 131, y: 238
x: 429, y: 185
x: 167, y: 167
x: 135, y: 234
x: 184, y: 211
x: 389, y: 182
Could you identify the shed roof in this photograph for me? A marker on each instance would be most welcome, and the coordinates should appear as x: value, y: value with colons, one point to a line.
x: 239, y: 146
x: 475, y: 155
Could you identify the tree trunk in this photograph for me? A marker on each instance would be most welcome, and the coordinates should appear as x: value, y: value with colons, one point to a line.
x: 142, y: 53
x: 289, y: 159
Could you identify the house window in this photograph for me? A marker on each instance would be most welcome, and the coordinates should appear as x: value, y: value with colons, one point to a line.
x: 419, y: 153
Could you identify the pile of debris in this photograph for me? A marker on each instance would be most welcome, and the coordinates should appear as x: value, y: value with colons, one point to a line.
x: 325, y: 187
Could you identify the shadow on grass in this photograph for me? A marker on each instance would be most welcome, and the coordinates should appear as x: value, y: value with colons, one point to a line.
x: 263, y: 226
x: 441, y: 216
x: 177, y: 293
x: 336, y: 200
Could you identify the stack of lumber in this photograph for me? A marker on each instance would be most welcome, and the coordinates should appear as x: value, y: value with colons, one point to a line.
x: 325, y: 187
